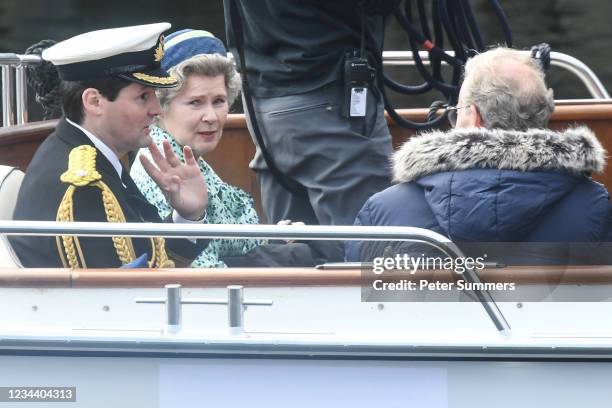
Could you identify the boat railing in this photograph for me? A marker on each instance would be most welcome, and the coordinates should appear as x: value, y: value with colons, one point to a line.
x: 283, y: 232
x: 14, y: 87
x: 557, y: 59
x: 15, y: 94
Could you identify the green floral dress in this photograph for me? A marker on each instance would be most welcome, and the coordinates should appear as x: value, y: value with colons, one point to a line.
x: 226, y: 205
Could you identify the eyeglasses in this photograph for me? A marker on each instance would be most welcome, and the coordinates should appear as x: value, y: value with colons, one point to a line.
x: 451, y: 113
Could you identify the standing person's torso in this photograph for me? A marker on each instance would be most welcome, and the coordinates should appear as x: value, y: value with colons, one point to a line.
x: 294, y: 46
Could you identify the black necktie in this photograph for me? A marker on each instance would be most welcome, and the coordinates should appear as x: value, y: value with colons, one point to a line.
x: 129, y: 183
x: 138, y: 202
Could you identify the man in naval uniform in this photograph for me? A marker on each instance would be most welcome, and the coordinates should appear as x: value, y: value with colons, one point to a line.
x: 79, y: 173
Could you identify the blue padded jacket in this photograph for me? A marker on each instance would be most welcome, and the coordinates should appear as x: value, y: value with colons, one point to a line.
x: 496, y: 186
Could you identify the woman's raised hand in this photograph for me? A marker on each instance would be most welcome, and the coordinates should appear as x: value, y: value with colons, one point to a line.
x: 182, y: 183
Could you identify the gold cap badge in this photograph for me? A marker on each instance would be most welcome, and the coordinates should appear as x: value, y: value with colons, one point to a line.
x: 159, y: 51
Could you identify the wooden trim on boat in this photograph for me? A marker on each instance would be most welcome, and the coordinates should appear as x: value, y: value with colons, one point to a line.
x: 33, y: 131
x: 248, y: 277
x: 235, y: 150
x: 283, y: 277
x: 573, y: 113
x: 34, y: 278
x: 19, y: 143
x: 578, y: 113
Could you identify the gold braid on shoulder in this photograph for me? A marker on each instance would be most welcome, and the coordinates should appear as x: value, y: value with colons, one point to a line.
x: 82, y: 172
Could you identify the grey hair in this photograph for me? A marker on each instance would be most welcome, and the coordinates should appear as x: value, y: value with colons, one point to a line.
x: 210, y: 65
x: 504, y: 99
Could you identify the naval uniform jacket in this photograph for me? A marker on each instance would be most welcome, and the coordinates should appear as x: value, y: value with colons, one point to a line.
x: 42, y: 191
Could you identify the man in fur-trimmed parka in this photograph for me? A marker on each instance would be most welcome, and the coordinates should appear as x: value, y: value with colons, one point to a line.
x: 499, y: 175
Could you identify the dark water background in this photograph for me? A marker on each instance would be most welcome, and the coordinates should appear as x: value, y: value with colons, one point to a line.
x: 580, y: 28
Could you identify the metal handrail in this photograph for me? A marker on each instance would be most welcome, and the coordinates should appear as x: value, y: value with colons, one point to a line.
x: 557, y: 59
x: 14, y: 78
x: 14, y: 82
x: 307, y: 232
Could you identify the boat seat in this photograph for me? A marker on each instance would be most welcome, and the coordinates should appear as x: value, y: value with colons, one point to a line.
x: 10, y: 181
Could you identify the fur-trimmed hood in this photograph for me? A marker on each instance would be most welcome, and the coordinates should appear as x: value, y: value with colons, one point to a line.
x: 496, y: 186
x: 575, y: 150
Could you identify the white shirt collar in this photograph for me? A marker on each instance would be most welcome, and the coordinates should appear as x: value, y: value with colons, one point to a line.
x: 106, y: 151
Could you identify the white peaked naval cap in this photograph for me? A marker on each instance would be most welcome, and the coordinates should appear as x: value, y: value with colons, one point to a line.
x: 133, y: 53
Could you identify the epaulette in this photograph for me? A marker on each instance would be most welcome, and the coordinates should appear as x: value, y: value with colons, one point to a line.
x: 82, y: 172
x: 81, y: 166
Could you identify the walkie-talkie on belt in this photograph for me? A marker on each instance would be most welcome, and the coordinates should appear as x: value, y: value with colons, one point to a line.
x: 357, y: 77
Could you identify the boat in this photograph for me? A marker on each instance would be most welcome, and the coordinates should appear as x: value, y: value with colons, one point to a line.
x: 307, y: 337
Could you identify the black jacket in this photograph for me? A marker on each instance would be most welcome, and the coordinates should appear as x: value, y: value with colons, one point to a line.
x: 42, y: 191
